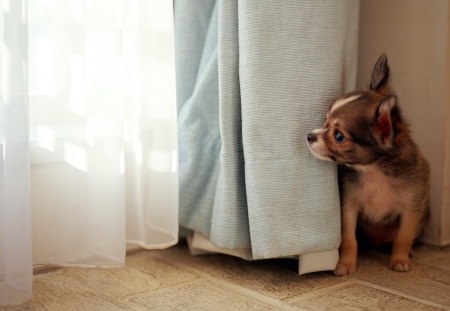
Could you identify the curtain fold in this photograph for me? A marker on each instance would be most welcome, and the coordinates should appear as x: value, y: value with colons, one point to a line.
x: 89, y: 135
x: 270, y: 70
x: 15, y: 205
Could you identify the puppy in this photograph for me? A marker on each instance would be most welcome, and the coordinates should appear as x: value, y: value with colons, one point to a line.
x: 385, y: 177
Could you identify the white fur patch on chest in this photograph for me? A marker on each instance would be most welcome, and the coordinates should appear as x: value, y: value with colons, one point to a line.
x: 378, y: 195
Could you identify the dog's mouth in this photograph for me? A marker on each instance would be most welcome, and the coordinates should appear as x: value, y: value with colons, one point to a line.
x: 320, y: 151
x: 324, y: 154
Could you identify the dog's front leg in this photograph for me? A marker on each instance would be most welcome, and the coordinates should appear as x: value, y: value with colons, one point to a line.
x: 349, y: 246
x: 409, y: 224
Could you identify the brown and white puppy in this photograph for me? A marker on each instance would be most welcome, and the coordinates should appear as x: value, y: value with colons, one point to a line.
x: 385, y: 177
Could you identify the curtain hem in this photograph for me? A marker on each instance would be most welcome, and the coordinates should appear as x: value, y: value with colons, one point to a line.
x: 199, y: 245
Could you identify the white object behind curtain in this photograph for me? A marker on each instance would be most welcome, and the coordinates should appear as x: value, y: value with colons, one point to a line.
x: 102, y: 122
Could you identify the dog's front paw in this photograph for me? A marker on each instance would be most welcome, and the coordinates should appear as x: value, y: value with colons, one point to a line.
x: 400, y: 265
x: 345, y: 268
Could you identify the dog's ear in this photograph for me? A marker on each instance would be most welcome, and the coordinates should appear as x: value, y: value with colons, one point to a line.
x: 380, y: 76
x: 386, y: 116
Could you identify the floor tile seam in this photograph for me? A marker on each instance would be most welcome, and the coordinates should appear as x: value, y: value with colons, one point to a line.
x: 430, y: 265
x: 402, y: 294
x: 183, y: 266
x: 317, y: 292
x: 279, y: 304
x: 249, y: 292
x: 117, y: 297
x: 244, y: 291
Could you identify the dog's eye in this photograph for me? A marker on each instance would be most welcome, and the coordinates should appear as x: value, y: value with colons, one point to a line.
x: 339, y: 137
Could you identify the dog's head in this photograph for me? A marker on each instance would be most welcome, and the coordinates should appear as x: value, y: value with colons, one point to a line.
x: 362, y: 125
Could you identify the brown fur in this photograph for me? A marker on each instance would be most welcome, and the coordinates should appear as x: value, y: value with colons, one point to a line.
x: 385, y: 177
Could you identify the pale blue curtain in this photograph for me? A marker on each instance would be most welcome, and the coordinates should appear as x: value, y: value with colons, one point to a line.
x: 253, y: 78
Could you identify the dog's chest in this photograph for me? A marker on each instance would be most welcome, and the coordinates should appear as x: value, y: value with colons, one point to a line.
x: 379, y: 196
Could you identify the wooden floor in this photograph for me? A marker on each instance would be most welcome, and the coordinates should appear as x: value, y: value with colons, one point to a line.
x: 173, y: 280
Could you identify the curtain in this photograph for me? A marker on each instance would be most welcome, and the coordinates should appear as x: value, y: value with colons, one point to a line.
x: 88, y: 134
x: 253, y: 78
x: 15, y: 209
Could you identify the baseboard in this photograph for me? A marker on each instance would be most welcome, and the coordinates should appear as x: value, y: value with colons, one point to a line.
x: 441, y: 245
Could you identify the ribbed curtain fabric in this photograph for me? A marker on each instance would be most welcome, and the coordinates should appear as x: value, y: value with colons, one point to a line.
x: 88, y: 134
x: 253, y: 78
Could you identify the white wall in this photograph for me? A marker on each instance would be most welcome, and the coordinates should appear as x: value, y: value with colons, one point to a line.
x: 415, y: 35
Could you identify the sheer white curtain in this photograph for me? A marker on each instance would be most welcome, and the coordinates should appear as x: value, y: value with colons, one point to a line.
x: 88, y: 134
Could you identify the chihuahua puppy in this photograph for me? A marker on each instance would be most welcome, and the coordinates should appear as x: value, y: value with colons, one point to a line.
x: 385, y: 177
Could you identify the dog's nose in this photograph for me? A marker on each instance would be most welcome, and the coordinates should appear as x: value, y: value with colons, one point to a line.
x: 311, y: 138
